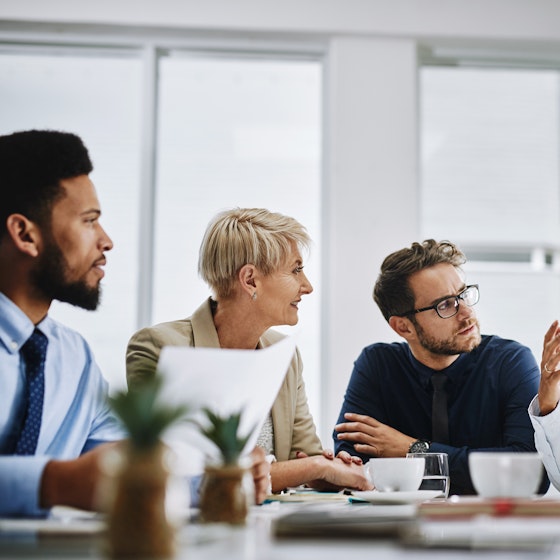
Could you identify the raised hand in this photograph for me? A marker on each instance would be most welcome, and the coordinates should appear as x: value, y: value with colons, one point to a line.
x: 549, y: 388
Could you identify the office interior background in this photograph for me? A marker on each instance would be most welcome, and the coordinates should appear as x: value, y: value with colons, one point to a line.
x: 375, y: 123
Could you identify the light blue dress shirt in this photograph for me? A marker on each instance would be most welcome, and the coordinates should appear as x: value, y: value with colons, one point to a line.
x: 76, y: 416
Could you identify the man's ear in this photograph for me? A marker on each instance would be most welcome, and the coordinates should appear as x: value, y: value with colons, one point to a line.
x: 24, y: 234
x: 247, y: 275
x: 403, y: 326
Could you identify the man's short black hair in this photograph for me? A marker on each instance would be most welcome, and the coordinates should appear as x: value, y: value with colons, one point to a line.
x: 32, y: 164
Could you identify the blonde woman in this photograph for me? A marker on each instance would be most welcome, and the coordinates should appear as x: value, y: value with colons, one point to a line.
x: 251, y: 259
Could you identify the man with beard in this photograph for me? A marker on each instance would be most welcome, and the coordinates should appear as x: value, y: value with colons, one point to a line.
x: 54, y: 418
x: 53, y: 410
x: 488, y: 382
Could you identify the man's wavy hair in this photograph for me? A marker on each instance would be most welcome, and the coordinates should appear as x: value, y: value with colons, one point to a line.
x: 32, y: 164
x: 392, y: 291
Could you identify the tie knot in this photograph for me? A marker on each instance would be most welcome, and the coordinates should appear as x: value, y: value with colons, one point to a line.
x: 35, y: 348
x: 439, y: 380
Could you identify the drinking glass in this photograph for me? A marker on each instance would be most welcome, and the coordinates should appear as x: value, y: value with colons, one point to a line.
x: 436, y: 472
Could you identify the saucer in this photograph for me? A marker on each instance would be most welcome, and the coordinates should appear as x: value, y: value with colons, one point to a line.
x: 376, y: 497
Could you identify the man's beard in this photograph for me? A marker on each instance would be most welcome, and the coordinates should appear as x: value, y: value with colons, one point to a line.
x: 49, y: 277
x: 450, y: 346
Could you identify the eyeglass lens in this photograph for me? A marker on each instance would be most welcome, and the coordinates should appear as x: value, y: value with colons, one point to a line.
x: 448, y: 307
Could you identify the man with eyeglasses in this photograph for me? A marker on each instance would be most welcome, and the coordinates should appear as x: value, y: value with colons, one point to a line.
x: 487, y: 382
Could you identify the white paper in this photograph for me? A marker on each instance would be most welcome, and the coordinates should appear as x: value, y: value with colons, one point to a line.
x: 62, y: 520
x: 488, y: 532
x: 225, y: 381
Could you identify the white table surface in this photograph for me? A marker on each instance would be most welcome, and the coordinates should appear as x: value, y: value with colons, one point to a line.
x: 256, y: 541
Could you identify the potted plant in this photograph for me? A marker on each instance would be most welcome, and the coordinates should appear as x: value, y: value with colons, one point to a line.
x: 138, y: 526
x: 227, y: 489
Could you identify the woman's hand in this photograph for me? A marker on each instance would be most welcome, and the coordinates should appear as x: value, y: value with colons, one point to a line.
x: 322, y: 472
x: 328, y: 454
x: 260, y: 470
x: 336, y: 474
x: 549, y: 388
x: 347, y: 458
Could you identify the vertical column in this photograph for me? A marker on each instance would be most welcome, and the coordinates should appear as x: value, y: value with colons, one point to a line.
x: 371, y: 195
x: 147, y: 188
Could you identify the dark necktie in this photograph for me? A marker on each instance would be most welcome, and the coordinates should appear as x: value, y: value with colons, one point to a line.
x: 34, y: 352
x: 440, y: 426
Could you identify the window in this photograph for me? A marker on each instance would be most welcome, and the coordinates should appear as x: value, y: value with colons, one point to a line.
x: 97, y: 96
x: 490, y: 182
x: 233, y: 130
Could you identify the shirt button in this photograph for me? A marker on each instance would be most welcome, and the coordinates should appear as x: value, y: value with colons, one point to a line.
x: 14, y: 345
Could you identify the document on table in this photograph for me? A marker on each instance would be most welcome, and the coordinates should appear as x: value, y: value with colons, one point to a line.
x: 336, y: 520
x: 225, y: 381
x: 484, y: 532
x: 61, y: 521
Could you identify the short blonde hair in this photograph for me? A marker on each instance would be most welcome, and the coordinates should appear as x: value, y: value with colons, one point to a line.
x: 243, y: 236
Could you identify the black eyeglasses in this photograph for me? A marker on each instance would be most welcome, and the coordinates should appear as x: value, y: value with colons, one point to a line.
x: 449, y: 306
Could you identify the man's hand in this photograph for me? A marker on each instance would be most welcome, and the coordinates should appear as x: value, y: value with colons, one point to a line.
x: 549, y: 388
x: 371, y: 437
x: 73, y: 482
x: 261, y: 474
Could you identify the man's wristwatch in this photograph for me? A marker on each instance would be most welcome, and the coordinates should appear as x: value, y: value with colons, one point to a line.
x: 419, y: 446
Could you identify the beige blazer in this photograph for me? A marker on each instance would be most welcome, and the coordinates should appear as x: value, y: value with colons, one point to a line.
x: 293, y: 425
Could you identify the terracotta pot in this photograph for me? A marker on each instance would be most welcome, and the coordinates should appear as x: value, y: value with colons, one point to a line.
x: 225, y: 495
x: 138, y: 526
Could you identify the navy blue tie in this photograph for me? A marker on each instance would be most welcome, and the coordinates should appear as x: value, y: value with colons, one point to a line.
x: 34, y: 352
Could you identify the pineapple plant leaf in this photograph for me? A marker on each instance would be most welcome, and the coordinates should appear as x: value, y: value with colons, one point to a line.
x: 222, y: 431
x: 144, y: 418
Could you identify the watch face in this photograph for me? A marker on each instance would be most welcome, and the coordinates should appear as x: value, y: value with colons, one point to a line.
x: 419, y: 447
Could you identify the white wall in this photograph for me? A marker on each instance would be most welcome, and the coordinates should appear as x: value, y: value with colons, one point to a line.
x: 371, y: 202
x: 370, y: 172
x: 469, y: 19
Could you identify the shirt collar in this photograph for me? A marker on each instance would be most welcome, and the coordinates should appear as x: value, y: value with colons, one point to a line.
x: 453, y: 371
x: 15, y: 326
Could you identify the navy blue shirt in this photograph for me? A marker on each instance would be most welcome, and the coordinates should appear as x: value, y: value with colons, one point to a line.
x: 489, y: 390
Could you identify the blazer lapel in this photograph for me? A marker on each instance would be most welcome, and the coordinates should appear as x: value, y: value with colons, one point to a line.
x: 204, y: 331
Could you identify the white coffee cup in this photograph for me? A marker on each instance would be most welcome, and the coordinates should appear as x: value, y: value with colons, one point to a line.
x: 505, y: 474
x: 396, y: 474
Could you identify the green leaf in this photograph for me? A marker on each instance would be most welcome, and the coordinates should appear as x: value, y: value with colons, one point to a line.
x: 144, y: 418
x: 222, y: 431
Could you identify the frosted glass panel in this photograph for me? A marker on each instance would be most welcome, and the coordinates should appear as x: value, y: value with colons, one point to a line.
x: 490, y: 182
x: 98, y: 99
x: 236, y: 132
x: 516, y: 304
x: 490, y: 155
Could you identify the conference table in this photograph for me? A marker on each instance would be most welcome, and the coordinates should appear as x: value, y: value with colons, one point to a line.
x: 305, y: 530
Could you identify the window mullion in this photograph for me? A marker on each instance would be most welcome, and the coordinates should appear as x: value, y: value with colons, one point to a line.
x: 147, y: 187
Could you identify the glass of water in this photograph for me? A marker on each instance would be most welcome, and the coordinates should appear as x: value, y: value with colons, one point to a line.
x: 436, y: 472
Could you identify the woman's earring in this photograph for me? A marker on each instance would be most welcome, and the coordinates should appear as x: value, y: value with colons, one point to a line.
x: 254, y: 296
